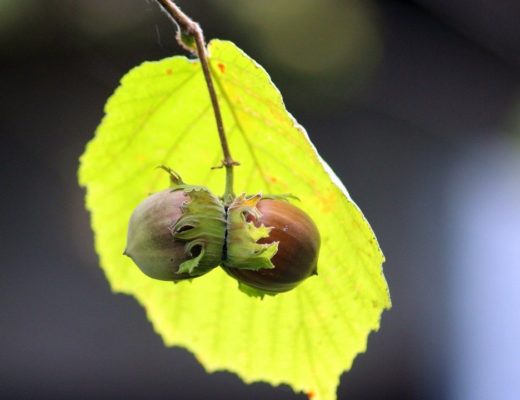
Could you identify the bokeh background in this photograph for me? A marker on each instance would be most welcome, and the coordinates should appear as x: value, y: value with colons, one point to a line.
x: 416, y: 106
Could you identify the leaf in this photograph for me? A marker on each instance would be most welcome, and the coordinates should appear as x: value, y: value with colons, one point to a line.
x: 161, y: 115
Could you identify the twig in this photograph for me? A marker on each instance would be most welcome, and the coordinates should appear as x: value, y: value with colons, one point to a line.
x: 190, y: 29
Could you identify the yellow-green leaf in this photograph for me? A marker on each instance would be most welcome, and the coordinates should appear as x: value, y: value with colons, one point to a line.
x: 161, y: 115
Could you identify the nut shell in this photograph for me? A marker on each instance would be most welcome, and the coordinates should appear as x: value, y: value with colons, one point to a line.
x: 177, y: 234
x: 298, y: 248
x: 150, y: 243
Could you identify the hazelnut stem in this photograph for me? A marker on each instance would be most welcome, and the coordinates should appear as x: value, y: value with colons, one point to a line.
x: 189, y: 30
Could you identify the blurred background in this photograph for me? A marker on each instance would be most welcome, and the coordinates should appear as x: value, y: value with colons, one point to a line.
x: 416, y: 106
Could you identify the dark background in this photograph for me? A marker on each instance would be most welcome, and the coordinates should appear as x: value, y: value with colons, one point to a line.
x: 416, y: 106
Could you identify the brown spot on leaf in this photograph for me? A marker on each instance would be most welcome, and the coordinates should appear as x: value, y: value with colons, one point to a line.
x: 169, y: 71
x: 222, y: 67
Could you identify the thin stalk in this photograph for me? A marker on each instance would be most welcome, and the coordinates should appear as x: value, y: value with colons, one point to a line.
x: 189, y: 29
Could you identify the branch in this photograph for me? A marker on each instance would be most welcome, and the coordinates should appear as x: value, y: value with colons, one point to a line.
x: 189, y: 30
